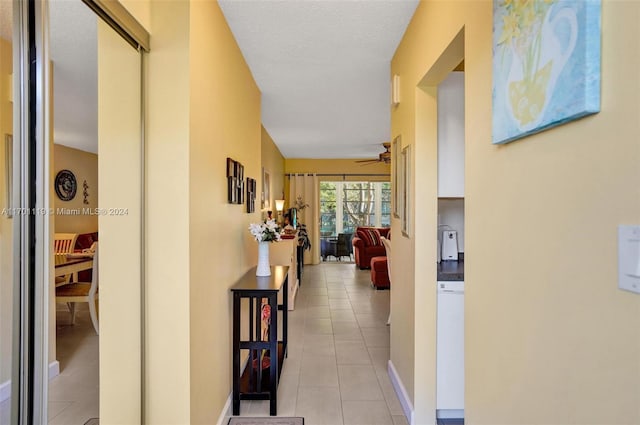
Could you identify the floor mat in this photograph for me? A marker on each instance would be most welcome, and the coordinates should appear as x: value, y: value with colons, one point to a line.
x: 273, y: 420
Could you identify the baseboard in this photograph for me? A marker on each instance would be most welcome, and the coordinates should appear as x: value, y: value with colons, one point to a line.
x: 5, y: 390
x: 5, y: 387
x: 401, y: 392
x: 225, y: 414
x: 54, y: 369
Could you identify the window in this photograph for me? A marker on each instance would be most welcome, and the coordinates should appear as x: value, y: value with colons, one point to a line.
x: 347, y: 205
x: 327, y: 209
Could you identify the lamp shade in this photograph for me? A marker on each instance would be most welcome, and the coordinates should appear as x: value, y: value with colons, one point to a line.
x: 279, y: 204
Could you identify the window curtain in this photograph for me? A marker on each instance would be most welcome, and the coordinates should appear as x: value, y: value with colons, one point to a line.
x: 307, y: 187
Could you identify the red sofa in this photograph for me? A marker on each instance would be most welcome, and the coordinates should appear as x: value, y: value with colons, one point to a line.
x: 365, y: 245
x: 84, y: 241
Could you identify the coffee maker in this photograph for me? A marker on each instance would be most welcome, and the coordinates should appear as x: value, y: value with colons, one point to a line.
x: 449, y: 245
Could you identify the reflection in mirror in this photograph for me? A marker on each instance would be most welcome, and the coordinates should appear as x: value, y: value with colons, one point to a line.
x: 97, y: 138
x: 73, y: 340
x: 6, y: 231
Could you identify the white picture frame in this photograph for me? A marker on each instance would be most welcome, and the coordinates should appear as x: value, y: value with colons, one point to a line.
x: 266, y: 190
x: 405, y: 216
x: 396, y: 176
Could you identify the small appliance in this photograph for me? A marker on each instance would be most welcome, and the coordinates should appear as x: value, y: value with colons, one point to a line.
x: 449, y: 245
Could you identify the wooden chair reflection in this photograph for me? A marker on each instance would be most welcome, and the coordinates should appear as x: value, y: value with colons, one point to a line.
x: 64, y: 243
x: 82, y: 292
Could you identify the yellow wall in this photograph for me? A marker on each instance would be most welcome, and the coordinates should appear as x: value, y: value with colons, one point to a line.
x: 273, y: 163
x: 206, y: 114
x: 225, y: 122
x: 6, y: 231
x: 120, y: 171
x: 168, y: 269
x: 335, y: 166
x: 545, y: 324
x: 84, y: 166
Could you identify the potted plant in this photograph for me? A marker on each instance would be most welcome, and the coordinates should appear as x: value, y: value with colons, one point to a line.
x: 303, y: 236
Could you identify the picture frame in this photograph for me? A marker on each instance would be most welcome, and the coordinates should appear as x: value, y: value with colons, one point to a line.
x: 231, y: 190
x: 395, y: 183
x: 231, y: 164
x: 405, y: 216
x: 235, y: 182
x: 266, y: 190
x: 251, y: 195
x: 546, y: 65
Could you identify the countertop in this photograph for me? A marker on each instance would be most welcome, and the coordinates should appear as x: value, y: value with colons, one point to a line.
x: 451, y: 271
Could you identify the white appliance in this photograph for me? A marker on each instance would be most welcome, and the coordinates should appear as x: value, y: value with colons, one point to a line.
x: 450, y: 350
x: 449, y: 245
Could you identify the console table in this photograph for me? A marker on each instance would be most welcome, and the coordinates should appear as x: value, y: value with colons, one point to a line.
x: 259, y: 379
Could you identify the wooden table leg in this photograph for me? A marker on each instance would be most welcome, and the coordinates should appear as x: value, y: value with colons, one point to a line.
x: 236, y: 354
x: 273, y: 349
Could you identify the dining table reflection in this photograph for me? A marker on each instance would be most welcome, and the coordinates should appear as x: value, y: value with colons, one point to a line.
x: 71, y: 264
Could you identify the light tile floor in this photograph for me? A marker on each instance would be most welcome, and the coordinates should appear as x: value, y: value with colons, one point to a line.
x: 336, y: 370
x: 335, y: 373
x: 73, y: 394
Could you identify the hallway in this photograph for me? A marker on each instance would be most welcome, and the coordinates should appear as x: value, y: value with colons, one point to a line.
x: 336, y: 371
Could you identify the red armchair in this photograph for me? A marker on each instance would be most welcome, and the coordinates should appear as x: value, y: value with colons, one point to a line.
x: 367, y: 244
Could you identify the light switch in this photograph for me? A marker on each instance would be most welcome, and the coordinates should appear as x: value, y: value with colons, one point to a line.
x: 629, y: 258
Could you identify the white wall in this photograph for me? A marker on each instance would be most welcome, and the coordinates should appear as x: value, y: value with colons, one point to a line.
x: 451, y: 136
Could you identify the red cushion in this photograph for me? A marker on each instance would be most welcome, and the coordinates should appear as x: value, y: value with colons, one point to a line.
x: 370, y: 236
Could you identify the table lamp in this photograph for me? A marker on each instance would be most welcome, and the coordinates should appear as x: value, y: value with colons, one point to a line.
x: 279, y: 208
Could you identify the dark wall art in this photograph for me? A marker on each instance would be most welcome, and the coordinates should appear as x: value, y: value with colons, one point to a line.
x: 235, y: 182
x: 251, y: 195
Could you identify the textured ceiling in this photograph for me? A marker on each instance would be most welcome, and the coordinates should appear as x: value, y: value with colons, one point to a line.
x: 72, y: 42
x: 73, y: 49
x: 6, y: 19
x: 323, y: 70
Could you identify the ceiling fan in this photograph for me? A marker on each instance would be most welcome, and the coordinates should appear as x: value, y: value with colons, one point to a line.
x: 383, y: 157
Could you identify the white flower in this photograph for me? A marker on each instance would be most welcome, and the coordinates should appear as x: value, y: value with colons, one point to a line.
x: 265, y: 232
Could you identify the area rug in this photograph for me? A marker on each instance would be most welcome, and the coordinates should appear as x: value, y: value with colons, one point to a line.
x: 273, y: 420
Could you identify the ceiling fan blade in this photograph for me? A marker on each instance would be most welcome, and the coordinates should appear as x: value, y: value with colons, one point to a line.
x: 368, y: 160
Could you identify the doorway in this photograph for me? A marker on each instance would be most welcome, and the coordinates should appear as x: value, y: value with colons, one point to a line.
x: 451, y: 232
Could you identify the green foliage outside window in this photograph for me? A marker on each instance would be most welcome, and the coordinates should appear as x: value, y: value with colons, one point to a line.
x: 358, y: 206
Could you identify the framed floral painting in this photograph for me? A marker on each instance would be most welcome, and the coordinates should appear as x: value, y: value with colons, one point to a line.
x: 546, y: 64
